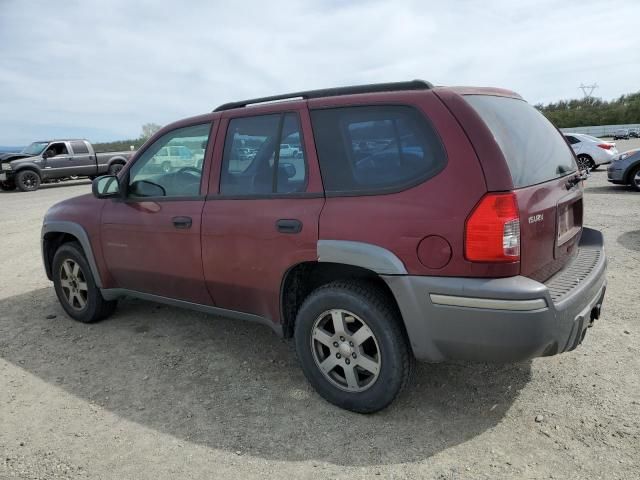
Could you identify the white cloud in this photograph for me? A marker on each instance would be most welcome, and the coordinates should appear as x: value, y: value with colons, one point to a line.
x: 103, y: 68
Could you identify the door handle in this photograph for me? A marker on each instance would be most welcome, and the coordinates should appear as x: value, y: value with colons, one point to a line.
x: 182, y: 222
x: 289, y: 225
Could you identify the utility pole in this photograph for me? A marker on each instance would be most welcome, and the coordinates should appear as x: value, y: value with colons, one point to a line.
x: 587, y: 90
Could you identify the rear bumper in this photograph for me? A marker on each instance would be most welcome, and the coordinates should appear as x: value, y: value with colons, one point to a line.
x: 504, y: 319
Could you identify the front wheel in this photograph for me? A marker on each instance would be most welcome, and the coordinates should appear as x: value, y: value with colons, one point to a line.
x: 75, y: 286
x: 634, y: 178
x: 352, y: 347
x: 28, y: 180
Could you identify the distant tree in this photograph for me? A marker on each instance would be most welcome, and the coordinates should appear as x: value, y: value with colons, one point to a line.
x: 593, y: 111
x: 148, y: 129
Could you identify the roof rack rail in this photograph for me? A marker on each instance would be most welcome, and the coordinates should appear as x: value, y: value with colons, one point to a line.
x: 332, y: 92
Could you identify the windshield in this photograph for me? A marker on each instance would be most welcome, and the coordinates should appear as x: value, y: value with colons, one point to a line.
x: 36, y: 148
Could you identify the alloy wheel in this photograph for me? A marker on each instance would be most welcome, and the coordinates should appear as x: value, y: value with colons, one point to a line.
x: 636, y: 179
x: 30, y: 180
x: 74, y: 284
x: 345, y: 350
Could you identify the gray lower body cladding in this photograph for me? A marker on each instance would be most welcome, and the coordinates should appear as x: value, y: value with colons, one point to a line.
x: 503, y: 319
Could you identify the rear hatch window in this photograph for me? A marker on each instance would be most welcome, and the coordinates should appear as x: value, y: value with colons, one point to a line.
x: 534, y: 150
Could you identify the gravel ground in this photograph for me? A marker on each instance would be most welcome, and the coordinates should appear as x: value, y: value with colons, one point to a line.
x: 157, y: 392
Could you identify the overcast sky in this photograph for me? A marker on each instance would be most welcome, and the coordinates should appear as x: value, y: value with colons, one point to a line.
x: 101, y: 69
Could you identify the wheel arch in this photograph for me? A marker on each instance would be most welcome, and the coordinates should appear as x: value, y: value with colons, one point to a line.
x: 55, y: 234
x: 337, y: 260
x: 629, y: 171
x: 116, y: 159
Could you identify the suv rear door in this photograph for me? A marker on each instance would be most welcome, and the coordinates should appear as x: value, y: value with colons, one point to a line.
x: 263, y: 217
x: 542, y: 169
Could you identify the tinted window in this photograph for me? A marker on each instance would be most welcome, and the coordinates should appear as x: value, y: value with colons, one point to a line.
x: 172, y: 165
x: 535, y: 151
x: 375, y: 149
x: 79, y: 148
x: 255, y: 160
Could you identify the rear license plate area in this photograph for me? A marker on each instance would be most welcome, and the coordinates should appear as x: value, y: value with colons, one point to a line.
x: 569, y: 221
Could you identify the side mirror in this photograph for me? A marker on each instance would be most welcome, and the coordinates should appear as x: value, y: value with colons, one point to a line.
x: 145, y: 188
x: 106, y: 187
x: 45, y: 154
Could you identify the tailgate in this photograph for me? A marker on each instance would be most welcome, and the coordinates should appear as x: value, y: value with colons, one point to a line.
x: 550, y: 227
x: 542, y: 166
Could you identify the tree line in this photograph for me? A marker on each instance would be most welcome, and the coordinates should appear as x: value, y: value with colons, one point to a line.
x: 593, y: 111
x: 148, y: 129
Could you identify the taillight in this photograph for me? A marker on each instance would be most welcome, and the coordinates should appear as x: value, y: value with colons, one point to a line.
x: 606, y: 146
x: 492, y: 231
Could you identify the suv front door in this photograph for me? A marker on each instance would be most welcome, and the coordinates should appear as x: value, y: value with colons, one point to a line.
x: 151, y: 237
x: 264, y: 217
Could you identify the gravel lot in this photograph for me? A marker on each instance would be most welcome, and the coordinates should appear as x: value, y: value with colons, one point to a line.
x: 157, y: 392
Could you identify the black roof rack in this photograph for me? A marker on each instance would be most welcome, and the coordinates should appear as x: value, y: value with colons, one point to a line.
x: 333, y: 92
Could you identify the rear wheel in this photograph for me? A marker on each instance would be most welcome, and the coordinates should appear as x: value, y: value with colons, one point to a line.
x: 28, y: 180
x: 634, y: 178
x: 352, y: 347
x: 585, y: 161
x: 75, y: 286
x: 115, y: 168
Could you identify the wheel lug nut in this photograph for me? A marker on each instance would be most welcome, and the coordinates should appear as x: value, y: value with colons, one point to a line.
x: 335, y: 344
x: 354, y: 355
x: 338, y: 355
x: 351, y: 344
x: 342, y: 339
x: 347, y: 361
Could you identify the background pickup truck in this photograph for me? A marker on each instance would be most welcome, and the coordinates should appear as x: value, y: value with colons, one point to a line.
x: 56, y: 159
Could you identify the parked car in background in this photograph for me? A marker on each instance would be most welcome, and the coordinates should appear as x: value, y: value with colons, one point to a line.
x: 288, y: 151
x: 455, y: 239
x: 621, y: 134
x: 591, y: 152
x: 171, y: 158
x: 56, y: 159
x: 625, y: 169
x: 634, y: 132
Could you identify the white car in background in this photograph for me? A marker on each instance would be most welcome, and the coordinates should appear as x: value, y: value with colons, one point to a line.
x: 591, y: 151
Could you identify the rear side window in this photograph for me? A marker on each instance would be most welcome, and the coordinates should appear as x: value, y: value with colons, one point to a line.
x: 534, y: 150
x: 79, y: 148
x: 375, y: 149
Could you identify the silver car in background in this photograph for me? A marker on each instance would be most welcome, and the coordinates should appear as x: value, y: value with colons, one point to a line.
x: 625, y: 169
x: 591, y: 151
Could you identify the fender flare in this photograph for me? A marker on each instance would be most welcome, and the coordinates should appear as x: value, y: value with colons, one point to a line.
x: 116, y: 159
x: 28, y: 166
x: 361, y: 254
x: 75, y: 230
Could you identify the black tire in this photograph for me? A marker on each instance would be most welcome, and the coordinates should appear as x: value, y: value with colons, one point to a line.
x: 634, y: 178
x: 96, y: 307
x: 7, y: 185
x: 114, y: 168
x: 394, y: 357
x: 28, y: 180
x: 585, y: 161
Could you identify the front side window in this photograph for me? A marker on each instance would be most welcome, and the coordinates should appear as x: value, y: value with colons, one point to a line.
x: 172, y: 166
x: 258, y: 161
x: 375, y: 149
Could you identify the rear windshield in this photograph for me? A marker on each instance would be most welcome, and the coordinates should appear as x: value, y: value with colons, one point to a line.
x: 535, y: 151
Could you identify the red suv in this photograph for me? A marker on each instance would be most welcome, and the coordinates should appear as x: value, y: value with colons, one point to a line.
x: 414, y: 222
